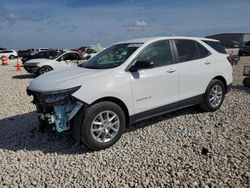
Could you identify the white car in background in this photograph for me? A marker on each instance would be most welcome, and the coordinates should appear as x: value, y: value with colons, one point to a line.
x: 11, y: 54
x: 60, y: 60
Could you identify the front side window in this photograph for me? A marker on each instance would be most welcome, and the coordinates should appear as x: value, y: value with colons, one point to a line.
x: 159, y: 53
x: 187, y: 50
x: 111, y: 57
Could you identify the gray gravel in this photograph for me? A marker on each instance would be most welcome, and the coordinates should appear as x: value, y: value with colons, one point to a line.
x: 187, y: 148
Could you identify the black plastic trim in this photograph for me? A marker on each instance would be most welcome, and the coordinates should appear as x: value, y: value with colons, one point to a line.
x: 229, y: 87
x: 165, y: 109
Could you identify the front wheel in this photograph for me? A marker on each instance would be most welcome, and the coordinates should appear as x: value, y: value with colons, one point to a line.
x: 214, y: 96
x: 43, y: 70
x: 11, y: 57
x: 102, y: 126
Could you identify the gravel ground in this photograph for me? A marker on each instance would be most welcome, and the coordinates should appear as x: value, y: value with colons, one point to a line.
x: 187, y: 148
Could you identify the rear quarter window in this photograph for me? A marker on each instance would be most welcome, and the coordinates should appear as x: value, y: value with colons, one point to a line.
x: 202, y: 50
x: 216, y: 46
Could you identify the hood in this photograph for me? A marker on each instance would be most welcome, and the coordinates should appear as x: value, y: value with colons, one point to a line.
x: 38, y: 60
x: 64, y: 79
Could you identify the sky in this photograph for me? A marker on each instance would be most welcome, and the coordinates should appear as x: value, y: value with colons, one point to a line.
x: 74, y: 23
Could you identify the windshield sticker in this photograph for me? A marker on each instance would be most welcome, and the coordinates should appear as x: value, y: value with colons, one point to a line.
x: 137, y: 45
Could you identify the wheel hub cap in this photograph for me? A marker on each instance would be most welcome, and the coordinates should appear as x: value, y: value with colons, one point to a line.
x: 215, y: 95
x: 105, y: 126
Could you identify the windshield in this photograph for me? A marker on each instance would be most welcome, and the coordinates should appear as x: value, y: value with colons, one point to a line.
x: 111, y: 57
x: 55, y: 54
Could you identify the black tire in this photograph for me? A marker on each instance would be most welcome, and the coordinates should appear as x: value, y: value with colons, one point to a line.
x: 11, y: 57
x: 43, y: 70
x: 91, y: 114
x: 246, y: 82
x: 207, y: 104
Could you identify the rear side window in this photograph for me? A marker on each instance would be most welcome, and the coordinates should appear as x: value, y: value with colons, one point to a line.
x: 187, y: 50
x: 216, y: 46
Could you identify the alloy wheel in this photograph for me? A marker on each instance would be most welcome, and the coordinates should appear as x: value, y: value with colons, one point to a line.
x: 105, y: 126
x: 215, y: 95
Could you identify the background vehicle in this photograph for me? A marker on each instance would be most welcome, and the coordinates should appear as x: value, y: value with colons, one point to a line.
x: 25, y: 53
x: 42, y: 54
x: 246, y: 74
x: 41, y: 49
x: 56, y: 60
x: 11, y: 54
x: 245, y: 49
x: 131, y: 81
x: 88, y: 52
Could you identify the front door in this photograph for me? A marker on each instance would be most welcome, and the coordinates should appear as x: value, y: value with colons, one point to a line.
x: 156, y: 87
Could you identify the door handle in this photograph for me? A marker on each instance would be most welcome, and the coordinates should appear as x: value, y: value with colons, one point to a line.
x: 207, y: 62
x: 171, y: 71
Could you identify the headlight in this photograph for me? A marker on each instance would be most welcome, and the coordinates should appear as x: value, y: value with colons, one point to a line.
x: 56, y: 96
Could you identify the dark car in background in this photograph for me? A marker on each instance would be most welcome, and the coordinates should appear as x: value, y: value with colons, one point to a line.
x: 42, y: 54
x: 25, y: 53
x: 244, y: 49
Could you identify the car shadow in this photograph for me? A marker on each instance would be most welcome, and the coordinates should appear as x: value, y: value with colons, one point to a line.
x: 148, y: 122
x: 241, y: 88
x: 20, y: 133
x: 24, y: 76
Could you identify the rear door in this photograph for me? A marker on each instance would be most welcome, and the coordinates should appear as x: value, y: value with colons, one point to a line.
x: 196, y: 66
x: 158, y: 86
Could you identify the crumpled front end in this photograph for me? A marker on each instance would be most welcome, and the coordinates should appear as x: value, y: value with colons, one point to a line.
x: 56, y: 108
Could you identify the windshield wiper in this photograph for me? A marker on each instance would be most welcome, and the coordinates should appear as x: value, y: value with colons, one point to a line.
x: 89, y: 67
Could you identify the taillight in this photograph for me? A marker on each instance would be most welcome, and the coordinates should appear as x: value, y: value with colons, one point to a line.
x: 230, y: 59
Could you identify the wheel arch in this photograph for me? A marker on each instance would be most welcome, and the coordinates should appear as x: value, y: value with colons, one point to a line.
x: 223, y: 80
x: 11, y: 55
x: 117, y: 101
x: 46, y: 66
x: 43, y: 67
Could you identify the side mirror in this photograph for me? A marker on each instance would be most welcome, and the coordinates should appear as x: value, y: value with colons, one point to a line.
x: 141, y: 65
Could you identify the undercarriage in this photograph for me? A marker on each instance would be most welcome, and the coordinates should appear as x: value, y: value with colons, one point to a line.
x: 56, y: 109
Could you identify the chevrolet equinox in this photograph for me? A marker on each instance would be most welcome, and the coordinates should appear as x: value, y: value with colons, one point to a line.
x: 131, y: 81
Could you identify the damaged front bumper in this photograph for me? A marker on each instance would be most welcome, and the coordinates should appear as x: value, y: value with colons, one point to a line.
x: 56, y: 108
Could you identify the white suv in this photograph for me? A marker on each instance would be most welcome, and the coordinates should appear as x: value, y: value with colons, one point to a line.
x: 56, y: 60
x: 131, y: 81
x: 11, y: 54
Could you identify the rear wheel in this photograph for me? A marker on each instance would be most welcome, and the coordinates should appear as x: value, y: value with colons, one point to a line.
x: 43, y: 70
x: 103, y: 125
x: 214, y: 96
x: 246, y: 82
